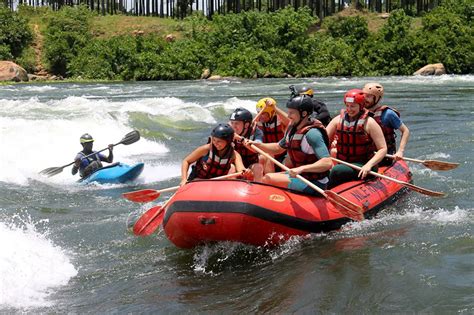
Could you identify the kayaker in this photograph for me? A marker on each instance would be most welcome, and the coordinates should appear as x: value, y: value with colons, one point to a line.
x: 307, y: 145
x: 241, y: 122
x: 358, y: 135
x: 388, y: 119
x: 89, y: 165
x: 273, y: 122
x: 214, y: 158
x: 320, y: 110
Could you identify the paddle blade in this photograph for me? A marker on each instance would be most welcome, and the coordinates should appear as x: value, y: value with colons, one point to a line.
x: 424, y: 191
x: 149, y: 221
x: 440, y: 165
x: 131, y: 137
x: 145, y: 195
x: 345, y: 207
x: 51, y: 171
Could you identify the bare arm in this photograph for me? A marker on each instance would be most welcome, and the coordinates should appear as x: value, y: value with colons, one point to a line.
x: 283, y: 116
x: 239, y: 165
x: 403, y: 142
x: 190, y: 159
x: 375, y: 132
x: 319, y: 166
x: 331, y: 128
x: 272, y: 148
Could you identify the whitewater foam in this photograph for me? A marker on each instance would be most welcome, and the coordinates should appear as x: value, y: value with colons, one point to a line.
x: 32, y: 267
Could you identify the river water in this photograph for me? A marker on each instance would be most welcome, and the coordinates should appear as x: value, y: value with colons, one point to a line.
x: 65, y: 247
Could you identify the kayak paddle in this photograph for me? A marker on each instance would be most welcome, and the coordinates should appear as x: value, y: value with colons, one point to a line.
x: 129, y: 138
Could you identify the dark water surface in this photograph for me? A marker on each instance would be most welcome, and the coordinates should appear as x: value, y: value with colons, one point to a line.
x: 65, y: 247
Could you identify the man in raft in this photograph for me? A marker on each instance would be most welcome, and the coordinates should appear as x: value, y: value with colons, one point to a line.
x: 358, y: 136
x: 241, y: 122
x: 388, y: 119
x: 307, y: 145
x: 87, y: 166
x: 272, y: 121
x: 213, y: 159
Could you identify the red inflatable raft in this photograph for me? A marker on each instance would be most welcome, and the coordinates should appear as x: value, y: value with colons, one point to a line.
x: 257, y: 214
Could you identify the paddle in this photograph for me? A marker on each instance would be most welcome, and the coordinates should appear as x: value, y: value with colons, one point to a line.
x: 411, y: 186
x: 152, y: 218
x: 129, y: 138
x: 432, y: 164
x: 147, y: 195
x: 344, y: 206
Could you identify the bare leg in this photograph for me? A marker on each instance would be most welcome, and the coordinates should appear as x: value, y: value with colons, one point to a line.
x: 277, y: 179
x: 257, y: 170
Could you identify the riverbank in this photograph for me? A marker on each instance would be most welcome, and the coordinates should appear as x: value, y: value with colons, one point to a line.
x: 74, y: 43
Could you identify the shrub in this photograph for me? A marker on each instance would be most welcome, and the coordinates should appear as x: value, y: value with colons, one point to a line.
x: 14, y: 33
x: 67, y: 32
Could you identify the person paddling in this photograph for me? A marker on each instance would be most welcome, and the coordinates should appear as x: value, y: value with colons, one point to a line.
x: 213, y: 159
x: 273, y: 122
x: 388, y: 119
x: 89, y: 165
x: 358, y: 135
x: 241, y: 122
x: 320, y: 110
x: 307, y: 145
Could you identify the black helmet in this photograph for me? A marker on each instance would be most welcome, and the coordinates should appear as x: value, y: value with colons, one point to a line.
x: 241, y: 114
x: 304, y: 90
x: 223, y: 131
x: 302, y: 103
x: 86, y: 138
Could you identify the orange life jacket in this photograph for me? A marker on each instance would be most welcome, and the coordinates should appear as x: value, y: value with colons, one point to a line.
x: 211, y: 165
x: 296, y: 154
x: 354, y: 144
x: 272, y: 131
x: 248, y: 157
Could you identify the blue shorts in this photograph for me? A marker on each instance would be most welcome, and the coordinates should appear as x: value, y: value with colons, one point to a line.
x: 299, y: 185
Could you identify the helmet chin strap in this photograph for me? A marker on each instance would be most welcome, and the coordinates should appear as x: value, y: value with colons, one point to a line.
x: 301, y: 119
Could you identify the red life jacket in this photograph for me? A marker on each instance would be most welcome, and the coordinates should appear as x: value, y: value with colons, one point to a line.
x: 272, y: 131
x: 211, y: 165
x: 248, y: 157
x: 354, y: 144
x: 296, y: 154
x: 389, y: 133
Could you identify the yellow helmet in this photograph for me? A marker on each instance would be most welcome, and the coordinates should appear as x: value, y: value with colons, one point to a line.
x: 269, y: 104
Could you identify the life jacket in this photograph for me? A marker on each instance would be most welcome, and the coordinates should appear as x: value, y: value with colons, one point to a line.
x: 86, y: 161
x: 389, y: 133
x: 296, y: 154
x: 354, y: 144
x: 211, y: 165
x: 85, y: 168
x: 272, y: 131
x: 248, y: 157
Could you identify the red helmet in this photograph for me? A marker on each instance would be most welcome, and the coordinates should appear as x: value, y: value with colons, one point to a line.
x: 355, y: 96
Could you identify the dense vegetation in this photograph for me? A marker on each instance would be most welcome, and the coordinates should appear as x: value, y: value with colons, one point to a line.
x: 255, y: 44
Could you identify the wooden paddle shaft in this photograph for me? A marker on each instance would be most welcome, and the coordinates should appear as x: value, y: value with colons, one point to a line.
x: 219, y: 177
x: 286, y: 168
x: 405, y: 158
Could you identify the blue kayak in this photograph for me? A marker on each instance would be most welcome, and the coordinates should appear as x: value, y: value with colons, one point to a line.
x: 116, y: 173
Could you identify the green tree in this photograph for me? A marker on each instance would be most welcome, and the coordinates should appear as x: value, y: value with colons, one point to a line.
x: 15, y: 34
x: 67, y: 32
